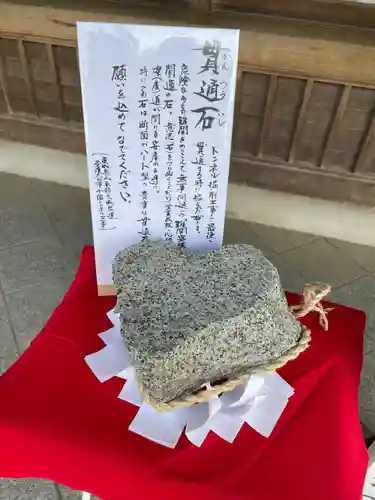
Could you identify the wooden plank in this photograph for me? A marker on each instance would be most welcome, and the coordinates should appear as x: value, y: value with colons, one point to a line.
x: 299, y: 74
x: 3, y: 86
x: 316, y: 184
x: 56, y: 80
x: 203, y: 5
x: 27, y: 77
x: 237, y: 104
x: 301, y: 119
x: 335, y: 124
x: 58, y: 21
x: 354, y: 13
x: 45, y: 121
x: 266, y: 42
x: 366, y: 149
x: 267, y: 115
x: 49, y: 133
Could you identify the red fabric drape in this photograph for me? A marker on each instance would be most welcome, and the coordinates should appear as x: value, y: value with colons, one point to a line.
x: 58, y: 422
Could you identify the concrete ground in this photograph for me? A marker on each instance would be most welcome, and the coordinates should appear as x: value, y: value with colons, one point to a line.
x: 43, y: 227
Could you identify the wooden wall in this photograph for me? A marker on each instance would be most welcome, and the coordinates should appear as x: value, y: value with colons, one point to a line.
x: 305, y: 99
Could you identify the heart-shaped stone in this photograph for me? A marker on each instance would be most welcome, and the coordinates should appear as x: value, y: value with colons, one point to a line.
x: 191, y: 318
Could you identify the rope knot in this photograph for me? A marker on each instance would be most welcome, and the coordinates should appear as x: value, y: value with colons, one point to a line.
x: 311, y: 297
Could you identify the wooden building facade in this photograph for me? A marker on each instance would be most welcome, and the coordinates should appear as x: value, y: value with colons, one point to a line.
x: 305, y: 106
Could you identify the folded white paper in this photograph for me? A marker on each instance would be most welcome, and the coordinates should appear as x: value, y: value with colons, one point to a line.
x: 163, y: 428
x: 108, y: 337
x: 107, y: 362
x: 226, y: 426
x: 130, y: 391
x: 265, y: 412
x: 259, y: 403
x: 196, y: 423
x: 115, y: 319
x: 243, y: 394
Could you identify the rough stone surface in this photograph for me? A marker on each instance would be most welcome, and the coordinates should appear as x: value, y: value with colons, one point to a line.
x: 191, y: 318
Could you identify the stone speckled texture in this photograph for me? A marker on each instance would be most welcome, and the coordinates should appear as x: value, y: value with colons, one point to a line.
x: 27, y: 489
x: 191, y: 318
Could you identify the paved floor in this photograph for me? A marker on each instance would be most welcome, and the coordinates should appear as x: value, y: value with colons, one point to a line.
x: 43, y: 227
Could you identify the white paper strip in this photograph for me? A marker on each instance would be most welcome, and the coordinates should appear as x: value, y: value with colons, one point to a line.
x: 114, y: 318
x: 225, y: 426
x: 112, y: 336
x: 196, y: 424
x: 128, y: 373
x: 163, y: 428
x: 276, y: 383
x: 130, y: 390
x: 107, y: 362
x: 269, y: 404
x: 112, y: 359
x: 243, y: 394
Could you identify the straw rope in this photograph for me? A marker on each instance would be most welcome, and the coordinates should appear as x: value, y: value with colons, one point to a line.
x: 311, y: 297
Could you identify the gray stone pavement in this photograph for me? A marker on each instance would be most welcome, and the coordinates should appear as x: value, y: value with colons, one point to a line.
x: 43, y: 227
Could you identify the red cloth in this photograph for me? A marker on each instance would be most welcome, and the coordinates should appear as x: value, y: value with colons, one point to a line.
x: 58, y: 422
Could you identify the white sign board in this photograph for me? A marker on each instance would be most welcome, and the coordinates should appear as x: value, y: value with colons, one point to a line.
x: 158, y: 109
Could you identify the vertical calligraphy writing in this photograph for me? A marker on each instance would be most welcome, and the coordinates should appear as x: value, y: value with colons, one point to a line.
x: 143, y: 129
x: 183, y: 132
x: 212, y: 92
x: 103, y: 184
x: 119, y: 78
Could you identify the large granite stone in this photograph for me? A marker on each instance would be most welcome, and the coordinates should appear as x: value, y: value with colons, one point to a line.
x: 191, y: 318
